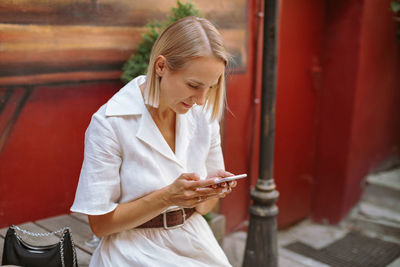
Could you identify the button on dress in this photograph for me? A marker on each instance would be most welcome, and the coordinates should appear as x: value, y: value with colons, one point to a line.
x: 126, y: 157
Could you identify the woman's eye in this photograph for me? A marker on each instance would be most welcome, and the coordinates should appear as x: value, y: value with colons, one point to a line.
x: 193, y: 86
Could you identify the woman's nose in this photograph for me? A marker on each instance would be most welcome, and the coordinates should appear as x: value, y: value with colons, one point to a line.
x: 200, y: 97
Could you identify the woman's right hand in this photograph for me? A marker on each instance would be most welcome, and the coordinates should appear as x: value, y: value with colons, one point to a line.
x: 183, y: 192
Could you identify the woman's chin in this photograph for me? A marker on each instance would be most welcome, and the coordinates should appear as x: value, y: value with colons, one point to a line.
x: 182, y: 111
x: 183, y: 108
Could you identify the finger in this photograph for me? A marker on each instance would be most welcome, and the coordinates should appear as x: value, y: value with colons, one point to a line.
x: 202, y: 199
x: 202, y: 183
x: 214, y: 186
x: 227, y: 174
x: 208, y: 191
x: 202, y: 192
x: 222, y: 173
x: 218, y: 184
x: 191, y: 176
x: 224, y: 184
x: 205, y: 190
x: 221, y: 185
x: 225, y: 192
x: 199, y: 200
x: 233, y: 183
x: 218, y: 173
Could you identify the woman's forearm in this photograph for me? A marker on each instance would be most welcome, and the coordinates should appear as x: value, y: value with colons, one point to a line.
x: 129, y: 215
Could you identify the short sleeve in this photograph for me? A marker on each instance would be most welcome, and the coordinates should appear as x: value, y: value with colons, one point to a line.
x: 215, y: 159
x: 98, y: 190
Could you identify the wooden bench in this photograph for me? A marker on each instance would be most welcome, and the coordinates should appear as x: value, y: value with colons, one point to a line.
x: 80, y: 233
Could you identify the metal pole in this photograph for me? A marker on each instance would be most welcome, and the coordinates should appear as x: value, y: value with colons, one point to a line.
x: 261, y: 245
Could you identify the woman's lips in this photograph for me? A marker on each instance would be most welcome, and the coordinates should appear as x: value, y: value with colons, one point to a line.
x: 186, y: 105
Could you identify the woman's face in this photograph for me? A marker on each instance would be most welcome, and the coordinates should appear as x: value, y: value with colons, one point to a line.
x: 180, y: 90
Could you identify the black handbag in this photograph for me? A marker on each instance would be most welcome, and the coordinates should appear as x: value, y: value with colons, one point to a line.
x: 18, y: 252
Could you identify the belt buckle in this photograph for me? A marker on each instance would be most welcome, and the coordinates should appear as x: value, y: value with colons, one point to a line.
x: 165, y: 224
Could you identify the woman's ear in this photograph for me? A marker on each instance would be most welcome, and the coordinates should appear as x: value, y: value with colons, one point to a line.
x: 160, y: 65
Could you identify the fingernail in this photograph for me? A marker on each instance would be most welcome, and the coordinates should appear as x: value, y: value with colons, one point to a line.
x: 216, y: 180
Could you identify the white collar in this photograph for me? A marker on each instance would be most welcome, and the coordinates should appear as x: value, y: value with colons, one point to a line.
x: 128, y: 101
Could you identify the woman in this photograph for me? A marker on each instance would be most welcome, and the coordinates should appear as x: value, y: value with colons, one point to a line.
x: 146, y: 149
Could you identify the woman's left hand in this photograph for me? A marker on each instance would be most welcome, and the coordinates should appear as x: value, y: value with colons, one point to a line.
x: 206, y: 203
x: 227, y: 186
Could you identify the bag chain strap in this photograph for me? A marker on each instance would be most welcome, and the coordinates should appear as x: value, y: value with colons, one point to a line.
x: 62, y: 230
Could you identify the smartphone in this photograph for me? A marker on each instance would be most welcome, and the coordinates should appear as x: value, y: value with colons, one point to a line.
x: 231, y: 178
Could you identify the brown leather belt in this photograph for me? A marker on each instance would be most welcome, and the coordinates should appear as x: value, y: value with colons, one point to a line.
x: 169, y: 219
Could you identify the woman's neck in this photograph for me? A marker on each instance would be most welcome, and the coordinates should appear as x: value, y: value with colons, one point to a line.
x: 165, y: 119
x: 162, y: 112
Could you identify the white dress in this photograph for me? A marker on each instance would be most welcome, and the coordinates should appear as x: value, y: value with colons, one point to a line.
x: 126, y: 157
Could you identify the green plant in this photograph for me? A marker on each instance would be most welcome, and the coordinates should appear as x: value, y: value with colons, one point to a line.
x: 208, y: 217
x: 395, y: 6
x: 137, y: 63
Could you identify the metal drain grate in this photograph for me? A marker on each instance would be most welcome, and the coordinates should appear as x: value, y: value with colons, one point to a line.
x: 353, y: 250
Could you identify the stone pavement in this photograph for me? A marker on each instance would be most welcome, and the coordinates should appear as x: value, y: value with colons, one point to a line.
x: 307, y: 232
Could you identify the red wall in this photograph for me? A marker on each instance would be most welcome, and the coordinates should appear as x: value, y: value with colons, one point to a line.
x: 358, y: 116
x: 375, y: 133
x: 298, y: 83
x: 340, y: 66
x: 41, y: 160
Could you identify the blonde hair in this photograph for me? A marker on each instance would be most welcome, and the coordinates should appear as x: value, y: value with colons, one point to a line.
x: 182, y: 41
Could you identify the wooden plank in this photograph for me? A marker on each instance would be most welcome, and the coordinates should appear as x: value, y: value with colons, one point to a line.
x: 121, y: 12
x: 1, y: 248
x: 106, y: 12
x: 59, y: 77
x: 3, y: 232
x: 80, y: 231
x: 66, y: 48
x: 63, y: 38
x: 83, y: 257
x: 80, y: 216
